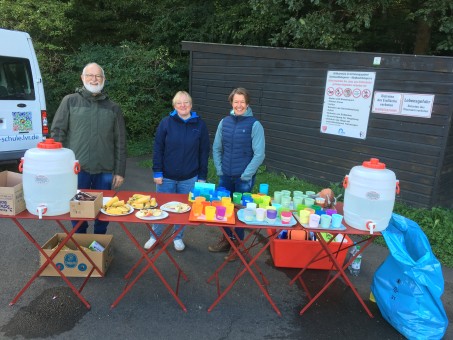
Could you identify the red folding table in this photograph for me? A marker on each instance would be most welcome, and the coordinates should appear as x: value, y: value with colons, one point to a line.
x: 325, y: 251
x: 247, y: 259
x: 160, y: 247
x: 25, y: 215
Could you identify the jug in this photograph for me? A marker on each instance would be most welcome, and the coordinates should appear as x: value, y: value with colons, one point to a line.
x: 49, y: 178
x: 369, y: 196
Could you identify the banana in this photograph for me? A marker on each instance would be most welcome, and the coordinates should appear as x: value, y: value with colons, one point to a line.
x: 118, y: 203
x: 111, y: 201
x: 143, y: 199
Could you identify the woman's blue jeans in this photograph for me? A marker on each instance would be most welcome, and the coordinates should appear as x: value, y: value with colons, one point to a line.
x: 177, y: 187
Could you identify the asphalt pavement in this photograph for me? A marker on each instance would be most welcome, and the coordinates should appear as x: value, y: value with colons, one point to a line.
x: 50, y: 310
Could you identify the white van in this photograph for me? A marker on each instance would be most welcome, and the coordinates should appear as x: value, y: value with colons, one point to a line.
x: 23, y: 115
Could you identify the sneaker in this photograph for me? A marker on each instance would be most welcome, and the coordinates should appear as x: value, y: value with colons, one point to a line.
x: 149, y: 243
x: 179, y: 245
x: 222, y: 245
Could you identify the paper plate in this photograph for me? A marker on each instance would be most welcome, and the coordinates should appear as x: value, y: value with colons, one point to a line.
x: 131, y: 210
x: 170, y: 207
x: 152, y: 218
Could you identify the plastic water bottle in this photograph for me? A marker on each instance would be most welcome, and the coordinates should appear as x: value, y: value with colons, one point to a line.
x: 354, y: 268
x: 350, y: 253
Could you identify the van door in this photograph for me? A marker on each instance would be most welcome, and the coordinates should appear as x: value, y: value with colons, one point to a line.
x: 22, y: 104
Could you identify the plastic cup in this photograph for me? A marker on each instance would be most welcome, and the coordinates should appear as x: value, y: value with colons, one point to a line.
x: 286, y: 193
x: 216, y: 203
x: 310, y: 193
x: 336, y: 220
x: 312, y: 211
x: 256, y: 198
x: 278, y: 197
x: 205, y: 204
x: 316, y: 207
x: 309, y: 201
x: 325, y: 221
x: 298, y: 193
x: 210, y: 212
x: 246, y: 199
x: 264, y: 188
x: 263, y: 205
x: 331, y: 211
x: 260, y: 214
x: 286, y: 217
x: 320, y: 212
x: 266, y: 199
x: 271, y: 215
x: 303, y: 216
x: 229, y: 209
x: 297, y: 200
x: 226, y: 200
x: 300, y: 207
x: 321, y: 201
x: 286, y: 201
x: 237, y: 197
x: 197, y: 209
x: 220, y: 212
x: 200, y: 199
x: 251, y: 205
x: 249, y: 214
x: 313, y: 220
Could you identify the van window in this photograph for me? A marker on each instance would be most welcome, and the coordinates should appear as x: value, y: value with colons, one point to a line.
x: 16, y: 80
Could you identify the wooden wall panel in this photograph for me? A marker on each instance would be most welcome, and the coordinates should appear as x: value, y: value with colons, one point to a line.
x: 287, y: 89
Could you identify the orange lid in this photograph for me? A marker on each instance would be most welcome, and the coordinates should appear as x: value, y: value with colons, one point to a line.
x: 50, y: 143
x: 374, y: 163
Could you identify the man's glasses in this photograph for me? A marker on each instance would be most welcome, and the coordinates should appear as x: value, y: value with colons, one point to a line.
x: 91, y: 76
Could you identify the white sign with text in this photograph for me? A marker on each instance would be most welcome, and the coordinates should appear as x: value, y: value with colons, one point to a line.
x: 347, y: 103
x: 403, y: 104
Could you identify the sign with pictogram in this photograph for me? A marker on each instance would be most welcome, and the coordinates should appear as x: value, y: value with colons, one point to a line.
x: 347, y: 103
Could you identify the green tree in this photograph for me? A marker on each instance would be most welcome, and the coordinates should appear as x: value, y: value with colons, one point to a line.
x: 142, y: 80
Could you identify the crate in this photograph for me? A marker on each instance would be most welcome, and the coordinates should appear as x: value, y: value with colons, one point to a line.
x: 297, y: 253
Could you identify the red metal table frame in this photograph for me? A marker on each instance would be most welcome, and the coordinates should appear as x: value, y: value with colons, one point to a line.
x: 325, y: 251
x: 160, y: 247
x: 25, y: 215
x: 248, y: 261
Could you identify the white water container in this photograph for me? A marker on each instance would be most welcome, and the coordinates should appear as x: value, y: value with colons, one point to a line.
x: 49, y: 178
x: 369, y: 196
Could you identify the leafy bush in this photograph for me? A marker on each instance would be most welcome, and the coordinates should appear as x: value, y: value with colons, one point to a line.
x: 141, y: 80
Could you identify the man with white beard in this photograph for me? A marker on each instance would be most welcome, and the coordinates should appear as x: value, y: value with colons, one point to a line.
x: 91, y: 125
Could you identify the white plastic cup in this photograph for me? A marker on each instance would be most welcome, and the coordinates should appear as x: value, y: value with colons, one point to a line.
x: 313, y: 220
x: 260, y: 214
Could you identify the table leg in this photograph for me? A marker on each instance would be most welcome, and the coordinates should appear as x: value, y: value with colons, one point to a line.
x: 49, y: 260
x: 341, y: 273
x: 247, y: 268
x: 151, y: 264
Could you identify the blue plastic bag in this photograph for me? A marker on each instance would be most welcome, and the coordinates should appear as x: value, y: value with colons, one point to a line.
x: 409, y: 283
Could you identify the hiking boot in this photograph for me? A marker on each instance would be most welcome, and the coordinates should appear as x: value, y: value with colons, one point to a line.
x: 232, y: 256
x: 222, y: 245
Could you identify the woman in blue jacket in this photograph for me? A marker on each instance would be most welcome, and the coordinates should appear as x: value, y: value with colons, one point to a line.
x: 238, y: 151
x: 180, y: 156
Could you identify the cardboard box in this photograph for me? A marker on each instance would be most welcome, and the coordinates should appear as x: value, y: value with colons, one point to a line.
x: 86, y: 209
x: 297, y: 253
x: 72, y: 262
x: 11, y: 193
